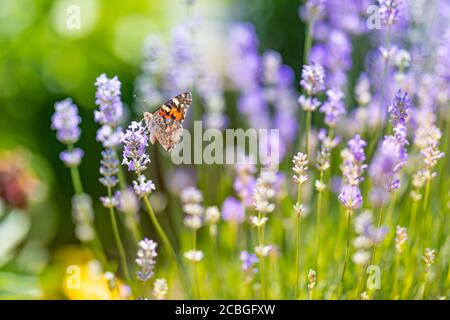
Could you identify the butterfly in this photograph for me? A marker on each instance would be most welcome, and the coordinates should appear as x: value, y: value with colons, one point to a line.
x: 166, y: 124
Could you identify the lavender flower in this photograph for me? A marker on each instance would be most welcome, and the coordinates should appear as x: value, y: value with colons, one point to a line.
x: 308, y: 103
x: 350, y: 197
x: 428, y: 258
x: 191, y: 199
x: 333, y: 107
x: 368, y: 236
x: 108, y: 99
x: 146, y: 259
x: 400, y: 108
x: 312, y: 278
x: 400, y: 238
x: 264, y: 193
x: 83, y: 217
x: 389, y: 11
x: 385, y: 167
x: 109, y: 168
x: 300, y: 168
x: 110, y: 112
x: 313, y: 78
x: 143, y: 187
x: 354, y: 156
x: 160, y: 289
x: 72, y: 158
x: 312, y: 10
x: 233, y: 210
x: 66, y: 121
x: 135, y: 141
x: 111, y: 201
x: 194, y: 255
x: 248, y: 262
x: 244, y: 182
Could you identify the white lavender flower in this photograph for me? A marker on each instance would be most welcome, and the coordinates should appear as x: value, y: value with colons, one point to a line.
x: 146, y: 258
x: 258, y: 222
x: 264, y: 250
x: 300, y: 168
x: 312, y: 278
x: 429, y: 258
x: 191, y: 195
x: 111, y: 201
x: 194, y: 255
x: 212, y: 215
x: 193, y: 222
x: 300, y: 210
x: 160, y: 289
x: 264, y: 192
x: 83, y: 217
x: 400, y: 238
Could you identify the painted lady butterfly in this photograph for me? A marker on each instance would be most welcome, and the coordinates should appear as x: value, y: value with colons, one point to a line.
x: 165, y: 125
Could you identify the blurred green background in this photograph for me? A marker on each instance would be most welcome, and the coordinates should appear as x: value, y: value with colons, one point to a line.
x: 42, y: 61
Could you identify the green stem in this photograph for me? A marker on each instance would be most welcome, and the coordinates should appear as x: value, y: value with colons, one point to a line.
x: 347, y: 251
x: 262, y: 266
x: 308, y: 131
x: 397, y: 264
x: 380, y: 220
x: 119, y: 243
x: 159, y: 229
x: 308, y: 42
x: 318, y: 214
x: 194, y: 266
x: 297, y: 259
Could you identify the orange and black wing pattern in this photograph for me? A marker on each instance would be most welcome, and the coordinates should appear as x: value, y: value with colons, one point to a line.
x: 176, y: 107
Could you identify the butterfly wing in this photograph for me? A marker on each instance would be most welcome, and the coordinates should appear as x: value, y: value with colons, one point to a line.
x: 176, y: 108
x: 165, y: 125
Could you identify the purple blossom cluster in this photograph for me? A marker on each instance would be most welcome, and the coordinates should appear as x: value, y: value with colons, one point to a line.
x: 66, y: 121
x: 135, y: 141
x: 389, y: 11
x: 334, y: 107
x: 110, y: 110
x: 353, y: 161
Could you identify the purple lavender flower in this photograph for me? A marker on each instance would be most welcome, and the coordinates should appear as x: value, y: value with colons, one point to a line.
x: 135, y: 141
x: 245, y: 181
x: 351, y: 197
x: 248, y: 261
x: 374, y: 234
x: 143, y: 187
x: 313, y: 78
x: 390, y: 11
x: 72, y: 158
x: 110, y: 112
x: 356, y: 146
x: 400, y: 108
x: 108, y: 99
x: 333, y: 107
x: 146, y: 259
x: 111, y: 201
x: 354, y: 156
x: 66, y: 121
x: 109, y: 168
x: 308, y: 103
x: 233, y: 210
